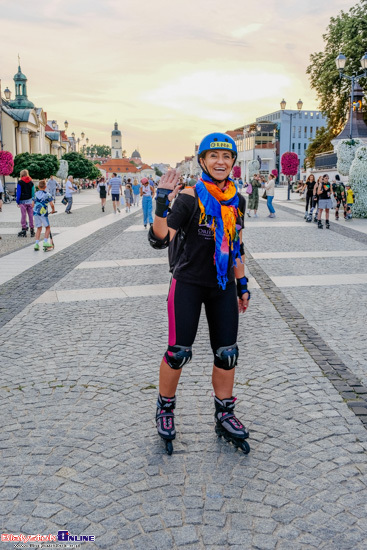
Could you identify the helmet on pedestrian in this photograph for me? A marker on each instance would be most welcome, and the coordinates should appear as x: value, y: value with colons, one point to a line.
x: 216, y: 141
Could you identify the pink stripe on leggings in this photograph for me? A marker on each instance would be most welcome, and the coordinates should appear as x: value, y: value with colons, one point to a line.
x: 171, y: 314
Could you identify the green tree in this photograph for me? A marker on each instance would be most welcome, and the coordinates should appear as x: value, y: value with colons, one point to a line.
x: 157, y: 172
x: 79, y: 166
x: 98, y: 150
x: 38, y: 166
x: 347, y: 33
x: 94, y: 173
x: 321, y: 144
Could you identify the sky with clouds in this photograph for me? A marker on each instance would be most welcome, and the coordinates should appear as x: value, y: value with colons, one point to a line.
x: 167, y: 72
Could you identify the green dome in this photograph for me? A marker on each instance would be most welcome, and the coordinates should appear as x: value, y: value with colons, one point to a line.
x: 20, y: 76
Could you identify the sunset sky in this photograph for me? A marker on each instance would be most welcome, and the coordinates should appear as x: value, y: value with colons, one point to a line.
x: 167, y: 72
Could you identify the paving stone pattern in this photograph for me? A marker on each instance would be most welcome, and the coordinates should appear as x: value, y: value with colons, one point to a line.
x: 79, y: 448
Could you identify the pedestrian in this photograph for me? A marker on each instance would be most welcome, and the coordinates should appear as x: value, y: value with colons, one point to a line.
x: 147, y: 194
x: 325, y: 203
x: 70, y: 189
x: 1, y: 195
x: 316, y: 200
x: 40, y: 212
x: 253, y: 197
x: 115, y: 188
x: 350, y: 201
x: 340, y: 196
x: 128, y: 193
x: 24, y: 198
x: 52, y: 186
x: 211, y: 215
x: 270, y: 189
x: 310, y: 184
x: 240, y: 184
x: 102, y: 189
x: 136, y: 192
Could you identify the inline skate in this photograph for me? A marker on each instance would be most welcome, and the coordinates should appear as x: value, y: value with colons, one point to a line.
x: 228, y: 426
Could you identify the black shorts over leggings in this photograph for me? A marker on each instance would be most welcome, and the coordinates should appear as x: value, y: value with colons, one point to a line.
x: 184, y: 307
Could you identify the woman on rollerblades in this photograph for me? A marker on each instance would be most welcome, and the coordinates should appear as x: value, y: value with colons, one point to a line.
x: 209, y: 217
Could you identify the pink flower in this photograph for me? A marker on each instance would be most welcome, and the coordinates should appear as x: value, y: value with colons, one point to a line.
x: 290, y: 164
x: 6, y: 163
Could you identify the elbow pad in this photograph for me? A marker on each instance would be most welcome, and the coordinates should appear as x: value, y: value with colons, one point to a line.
x: 156, y: 243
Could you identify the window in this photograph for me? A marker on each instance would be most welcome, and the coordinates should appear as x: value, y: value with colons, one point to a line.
x: 317, y: 115
x: 305, y: 146
x: 311, y: 131
x: 299, y: 147
x: 294, y: 131
x: 311, y: 115
x: 306, y: 114
x: 317, y: 129
x: 299, y: 131
x: 305, y: 131
x: 300, y: 114
x: 293, y: 147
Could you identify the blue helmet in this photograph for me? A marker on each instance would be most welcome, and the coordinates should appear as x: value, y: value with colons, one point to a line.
x: 217, y: 140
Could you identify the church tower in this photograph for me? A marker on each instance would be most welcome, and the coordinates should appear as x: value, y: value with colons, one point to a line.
x: 21, y: 100
x: 116, y: 145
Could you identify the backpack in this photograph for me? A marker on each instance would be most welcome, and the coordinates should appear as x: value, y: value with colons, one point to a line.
x: 249, y: 189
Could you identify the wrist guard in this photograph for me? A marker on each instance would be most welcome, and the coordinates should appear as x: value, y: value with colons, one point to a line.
x: 156, y: 243
x: 242, y: 287
x: 162, y: 202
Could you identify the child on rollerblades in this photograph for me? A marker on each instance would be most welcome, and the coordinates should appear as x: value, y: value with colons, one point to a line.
x: 40, y: 214
x: 211, y: 216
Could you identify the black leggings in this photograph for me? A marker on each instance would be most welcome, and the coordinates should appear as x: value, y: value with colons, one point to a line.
x: 309, y: 201
x: 184, y: 307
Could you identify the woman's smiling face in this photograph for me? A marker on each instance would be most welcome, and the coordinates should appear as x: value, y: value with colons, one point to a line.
x: 218, y: 163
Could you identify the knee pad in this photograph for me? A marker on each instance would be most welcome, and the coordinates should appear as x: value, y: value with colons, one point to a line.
x: 226, y: 357
x: 177, y: 356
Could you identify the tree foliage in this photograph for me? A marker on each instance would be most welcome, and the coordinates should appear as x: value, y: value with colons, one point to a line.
x: 346, y: 33
x: 80, y: 167
x: 157, y: 172
x: 321, y: 144
x: 38, y: 166
x: 98, y: 151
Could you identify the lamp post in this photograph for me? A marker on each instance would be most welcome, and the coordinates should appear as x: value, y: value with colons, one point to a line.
x: 283, y: 104
x: 340, y: 62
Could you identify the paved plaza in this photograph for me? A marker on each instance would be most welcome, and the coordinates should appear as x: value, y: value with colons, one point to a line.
x: 83, y: 330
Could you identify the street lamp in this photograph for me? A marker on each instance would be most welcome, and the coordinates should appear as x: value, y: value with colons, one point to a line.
x: 340, y: 62
x: 299, y: 107
x: 7, y: 93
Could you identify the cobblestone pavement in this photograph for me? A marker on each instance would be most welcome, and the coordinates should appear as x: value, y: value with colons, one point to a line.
x: 79, y: 384
x: 86, y: 208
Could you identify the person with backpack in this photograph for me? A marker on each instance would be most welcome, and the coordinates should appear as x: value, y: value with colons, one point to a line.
x: 40, y: 212
x: 253, y: 195
x: 340, y: 197
x: 209, y: 270
x: 24, y: 198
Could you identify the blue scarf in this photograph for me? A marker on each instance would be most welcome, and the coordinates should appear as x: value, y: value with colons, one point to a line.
x: 219, y: 210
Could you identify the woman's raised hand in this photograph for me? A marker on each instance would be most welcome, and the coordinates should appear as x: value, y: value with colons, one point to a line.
x: 169, y: 180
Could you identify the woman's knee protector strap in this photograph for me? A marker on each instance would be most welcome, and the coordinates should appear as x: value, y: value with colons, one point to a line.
x: 177, y: 356
x: 226, y: 357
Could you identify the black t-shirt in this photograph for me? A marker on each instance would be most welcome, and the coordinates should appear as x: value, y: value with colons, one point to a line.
x: 196, y: 263
x: 326, y: 191
x: 310, y: 186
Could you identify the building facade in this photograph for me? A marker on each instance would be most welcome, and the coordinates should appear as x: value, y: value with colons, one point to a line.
x: 24, y: 127
x: 295, y: 130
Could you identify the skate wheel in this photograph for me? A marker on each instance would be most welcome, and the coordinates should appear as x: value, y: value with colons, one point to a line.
x: 245, y: 447
x: 169, y: 447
